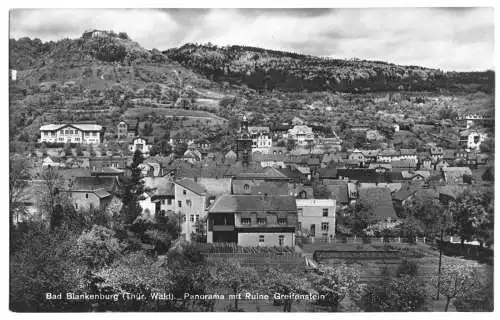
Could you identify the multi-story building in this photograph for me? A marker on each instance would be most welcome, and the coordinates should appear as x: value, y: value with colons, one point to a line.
x: 159, y: 199
x: 71, y: 133
x: 270, y: 182
x: 261, y: 139
x: 140, y: 144
x: 302, y: 135
x: 127, y: 130
x: 91, y: 193
x: 191, y: 201
x: 317, y: 217
x: 253, y: 220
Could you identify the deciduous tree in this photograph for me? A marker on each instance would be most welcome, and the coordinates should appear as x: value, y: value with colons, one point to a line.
x: 336, y: 283
x: 457, y: 280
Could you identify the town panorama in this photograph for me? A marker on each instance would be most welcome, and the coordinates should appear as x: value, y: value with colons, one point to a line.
x: 215, y: 178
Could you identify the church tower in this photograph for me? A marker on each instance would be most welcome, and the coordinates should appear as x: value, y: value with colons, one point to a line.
x: 244, y: 143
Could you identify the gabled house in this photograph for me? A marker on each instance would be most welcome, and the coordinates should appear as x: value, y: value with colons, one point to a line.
x: 271, y: 182
x: 91, y: 193
x: 426, y: 163
x: 436, y: 153
x: 127, y: 130
x: 357, y: 156
x: 230, y: 156
x: 404, y: 165
x: 191, y: 202
x: 159, y: 198
x: 72, y: 133
x: 253, y: 220
x: 370, y: 155
x: 472, y: 139
x: 380, y: 167
x: 142, y: 144
x: 457, y: 175
x: 410, y: 154
x: 388, y: 155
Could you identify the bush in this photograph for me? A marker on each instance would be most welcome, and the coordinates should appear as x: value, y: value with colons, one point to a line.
x: 407, y: 267
x: 98, y: 247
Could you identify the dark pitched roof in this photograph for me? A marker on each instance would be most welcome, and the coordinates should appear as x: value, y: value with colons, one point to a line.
x: 291, y: 173
x: 404, y: 163
x: 268, y: 173
x: 365, y: 175
x: 191, y: 185
x: 328, y: 173
x: 238, y: 203
x: 313, y: 161
x: 339, y: 192
x: 93, y: 183
x: 403, y: 193
x: 160, y: 186
x: 379, y: 199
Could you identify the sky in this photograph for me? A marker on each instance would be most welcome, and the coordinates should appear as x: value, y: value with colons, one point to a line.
x: 459, y: 39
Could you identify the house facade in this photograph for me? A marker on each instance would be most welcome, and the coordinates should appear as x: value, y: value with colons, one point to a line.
x: 71, y: 133
x: 191, y: 201
x: 261, y: 139
x: 302, y: 135
x: 253, y: 220
x: 140, y: 144
x: 317, y: 218
x: 127, y: 130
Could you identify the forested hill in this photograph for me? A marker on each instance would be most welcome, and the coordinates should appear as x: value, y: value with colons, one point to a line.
x: 268, y: 69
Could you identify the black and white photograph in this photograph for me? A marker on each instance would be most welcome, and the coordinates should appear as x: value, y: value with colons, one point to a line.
x: 324, y: 159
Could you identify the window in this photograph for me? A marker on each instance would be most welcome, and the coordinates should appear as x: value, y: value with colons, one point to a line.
x: 94, y: 134
x: 261, y: 238
x: 191, y: 218
x: 76, y: 206
x: 325, y: 212
x: 261, y: 220
x: 300, y: 211
x: 91, y: 206
x: 179, y: 204
x: 184, y: 192
x: 86, y: 196
x: 188, y: 203
x: 281, y: 240
x: 197, y: 217
x: 169, y: 202
x: 184, y: 219
x: 246, y: 186
x: 246, y: 220
x: 163, y: 201
x: 324, y: 226
x: 282, y: 221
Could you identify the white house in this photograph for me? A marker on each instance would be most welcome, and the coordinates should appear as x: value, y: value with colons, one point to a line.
x: 472, y: 139
x: 71, y: 133
x: 302, y: 135
x: 191, y: 201
x: 317, y: 217
x: 140, y: 144
x: 261, y: 139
